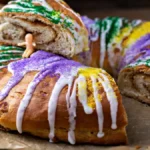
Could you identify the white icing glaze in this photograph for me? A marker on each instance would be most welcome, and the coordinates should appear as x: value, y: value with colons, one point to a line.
x: 52, y: 105
x: 113, y: 40
x: 111, y: 52
x: 79, y: 85
x: 137, y: 22
x: 82, y: 94
x: 23, y: 105
x: 10, y: 6
x: 72, y: 103
x: 43, y: 3
x: 1, y: 67
x: 118, y: 44
x: 95, y: 30
x: 99, y: 108
x: 69, y: 91
x: 25, y: 101
x: 72, y: 114
x: 60, y: 84
x: 103, y: 43
x: 112, y: 98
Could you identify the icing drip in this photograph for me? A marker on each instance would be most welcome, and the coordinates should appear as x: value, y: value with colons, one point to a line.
x: 72, y: 114
x: 26, y: 66
x: 25, y: 101
x: 99, y: 108
x: 61, y: 83
x: 92, y: 27
x: 111, y: 98
x: 116, y: 26
x: 48, y: 64
x: 82, y: 94
x: 115, y: 35
x: 106, y: 25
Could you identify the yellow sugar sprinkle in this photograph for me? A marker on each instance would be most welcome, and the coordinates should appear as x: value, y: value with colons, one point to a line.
x: 124, y: 32
x: 88, y: 72
x: 90, y: 100
x: 138, y: 32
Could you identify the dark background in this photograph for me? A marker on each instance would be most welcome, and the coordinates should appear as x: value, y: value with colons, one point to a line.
x: 79, y: 5
x: 104, y: 4
x: 102, y: 8
x: 132, y: 9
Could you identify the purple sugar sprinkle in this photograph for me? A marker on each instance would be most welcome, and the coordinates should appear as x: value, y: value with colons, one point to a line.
x: 92, y: 27
x: 87, y: 21
x: 143, y: 55
x: 134, y: 50
x: 44, y: 62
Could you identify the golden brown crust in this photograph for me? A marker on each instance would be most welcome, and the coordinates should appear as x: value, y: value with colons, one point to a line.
x: 95, y: 55
x: 35, y: 119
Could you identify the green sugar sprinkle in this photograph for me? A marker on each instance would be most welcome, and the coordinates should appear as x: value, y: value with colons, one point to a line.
x: 27, y: 6
x: 10, y: 48
x: 9, y: 57
x: 8, y: 53
x: 140, y: 62
x: 116, y: 24
x: 113, y: 26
